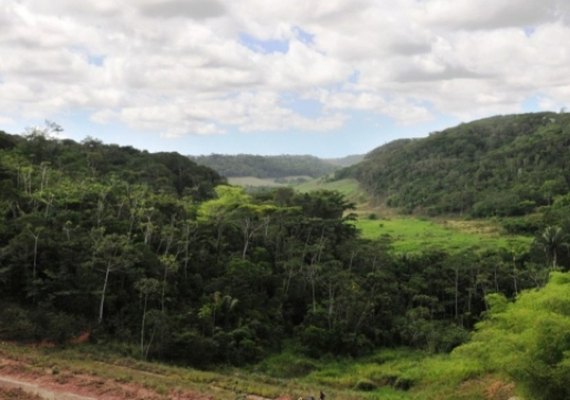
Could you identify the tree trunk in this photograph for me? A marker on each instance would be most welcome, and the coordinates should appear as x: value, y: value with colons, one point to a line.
x: 36, y: 239
x: 142, y: 326
x: 515, y: 273
x: 456, y: 294
x: 102, y: 304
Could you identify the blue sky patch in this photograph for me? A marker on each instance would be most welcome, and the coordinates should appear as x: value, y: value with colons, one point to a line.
x: 264, y: 46
x: 531, y: 104
x: 353, y: 78
x: 97, y: 60
x: 303, y: 36
x: 308, y: 108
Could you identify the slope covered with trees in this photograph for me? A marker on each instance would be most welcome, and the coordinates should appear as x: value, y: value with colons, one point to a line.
x: 158, y: 255
x: 266, y: 166
x: 499, y: 166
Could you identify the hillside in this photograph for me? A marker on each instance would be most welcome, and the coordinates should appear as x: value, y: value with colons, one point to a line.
x: 153, y: 258
x: 345, y: 161
x: 499, y: 166
x: 283, y: 166
x: 163, y: 172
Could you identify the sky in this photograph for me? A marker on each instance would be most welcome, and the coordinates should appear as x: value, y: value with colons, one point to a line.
x: 322, y: 77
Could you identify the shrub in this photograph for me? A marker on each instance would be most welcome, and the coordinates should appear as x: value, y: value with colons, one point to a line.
x: 529, y: 339
x: 365, y: 385
x: 15, y: 323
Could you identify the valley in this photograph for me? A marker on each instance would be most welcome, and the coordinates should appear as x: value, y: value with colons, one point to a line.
x: 283, y: 285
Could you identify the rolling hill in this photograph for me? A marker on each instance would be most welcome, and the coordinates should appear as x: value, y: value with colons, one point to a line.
x: 498, y: 166
x: 282, y: 166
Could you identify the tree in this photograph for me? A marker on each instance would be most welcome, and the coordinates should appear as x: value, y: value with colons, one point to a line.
x: 528, y: 339
x: 552, y: 239
x: 112, y: 252
x: 146, y: 288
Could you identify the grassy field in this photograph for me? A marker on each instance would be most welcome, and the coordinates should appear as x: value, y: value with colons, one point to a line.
x: 252, y: 181
x: 350, y: 188
x: 415, y: 234
x: 408, y: 234
x: 394, y: 374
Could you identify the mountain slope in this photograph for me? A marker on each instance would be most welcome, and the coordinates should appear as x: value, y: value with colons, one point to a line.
x: 282, y: 166
x: 504, y: 165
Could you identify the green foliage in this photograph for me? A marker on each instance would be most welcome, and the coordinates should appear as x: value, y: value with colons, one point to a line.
x: 242, y: 165
x: 365, y: 385
x: 500, y: 166
x: 529, y: 339
x: 148, y: 251
x: 410, y: 235
x: 19, y: 323
x: 16, y: 323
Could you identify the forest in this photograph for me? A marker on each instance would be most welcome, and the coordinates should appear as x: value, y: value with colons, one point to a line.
x: 499, y: 166
x: 270, y: 166
x: 161, y: 258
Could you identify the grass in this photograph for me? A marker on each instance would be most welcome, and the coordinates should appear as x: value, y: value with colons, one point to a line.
x: 416, y: 234
x: 350, y: 188
x: 395, y: 374
x: 254, y: 182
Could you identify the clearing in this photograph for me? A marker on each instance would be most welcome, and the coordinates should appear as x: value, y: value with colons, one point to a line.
x: 410, y: 234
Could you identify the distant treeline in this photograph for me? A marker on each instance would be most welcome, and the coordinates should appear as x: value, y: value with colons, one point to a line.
x: 266, y: 166
x: 500, y: 166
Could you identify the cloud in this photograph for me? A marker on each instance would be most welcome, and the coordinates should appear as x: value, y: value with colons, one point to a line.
x: 212, y: 66
x: 487, y: 14
x: 194, y: 9
x: 6, y: 120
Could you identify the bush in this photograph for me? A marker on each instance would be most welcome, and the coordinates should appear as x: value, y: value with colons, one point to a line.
x: 522, y: 225
x: 15, y: 323
x: 316, y: 341
x: 58, y: 327
x: 192, y: 348
x: 365, y: 385
x: 529, y: 339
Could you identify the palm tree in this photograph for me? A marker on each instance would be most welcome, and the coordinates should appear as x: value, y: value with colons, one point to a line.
x: 551, y: 240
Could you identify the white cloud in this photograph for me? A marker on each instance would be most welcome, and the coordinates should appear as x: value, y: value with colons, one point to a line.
x: 179, y: 67
x: 6, y: 120
x: 486, y: 14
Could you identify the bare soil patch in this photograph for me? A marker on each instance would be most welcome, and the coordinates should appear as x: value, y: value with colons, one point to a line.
x: 20, y: 379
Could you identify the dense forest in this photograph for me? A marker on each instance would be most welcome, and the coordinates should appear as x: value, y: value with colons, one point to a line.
x: 269, y: 166
x: 161, y: 256
x: 345, y: 161
x: 499, y: 166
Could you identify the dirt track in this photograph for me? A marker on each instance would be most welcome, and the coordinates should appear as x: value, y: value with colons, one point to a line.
x: 36, y: 390
x: 19, y: 380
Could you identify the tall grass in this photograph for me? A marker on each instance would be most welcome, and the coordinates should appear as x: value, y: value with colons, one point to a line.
x: 416, y: 234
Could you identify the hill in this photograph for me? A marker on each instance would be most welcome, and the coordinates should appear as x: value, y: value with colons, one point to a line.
x: 150, y: 256
x: 345, y: 161
x: 163, y: 172
x: 498, y: 166
x: 283, y: 166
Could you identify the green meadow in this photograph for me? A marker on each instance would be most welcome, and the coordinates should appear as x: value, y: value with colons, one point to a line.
x: 392, y: 374
x: 350, y: 188
x: 409, y: 234
x: 252, y: 181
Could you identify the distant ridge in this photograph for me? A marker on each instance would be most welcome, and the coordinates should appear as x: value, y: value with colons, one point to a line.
x: 242, y: 165
x: 503, y: 166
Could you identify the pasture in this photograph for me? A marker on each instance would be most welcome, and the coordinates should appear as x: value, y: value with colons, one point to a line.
x: 409, y: 234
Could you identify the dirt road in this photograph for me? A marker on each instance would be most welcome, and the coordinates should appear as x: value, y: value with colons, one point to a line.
x: 38, y: 391
x: 25, y: 382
